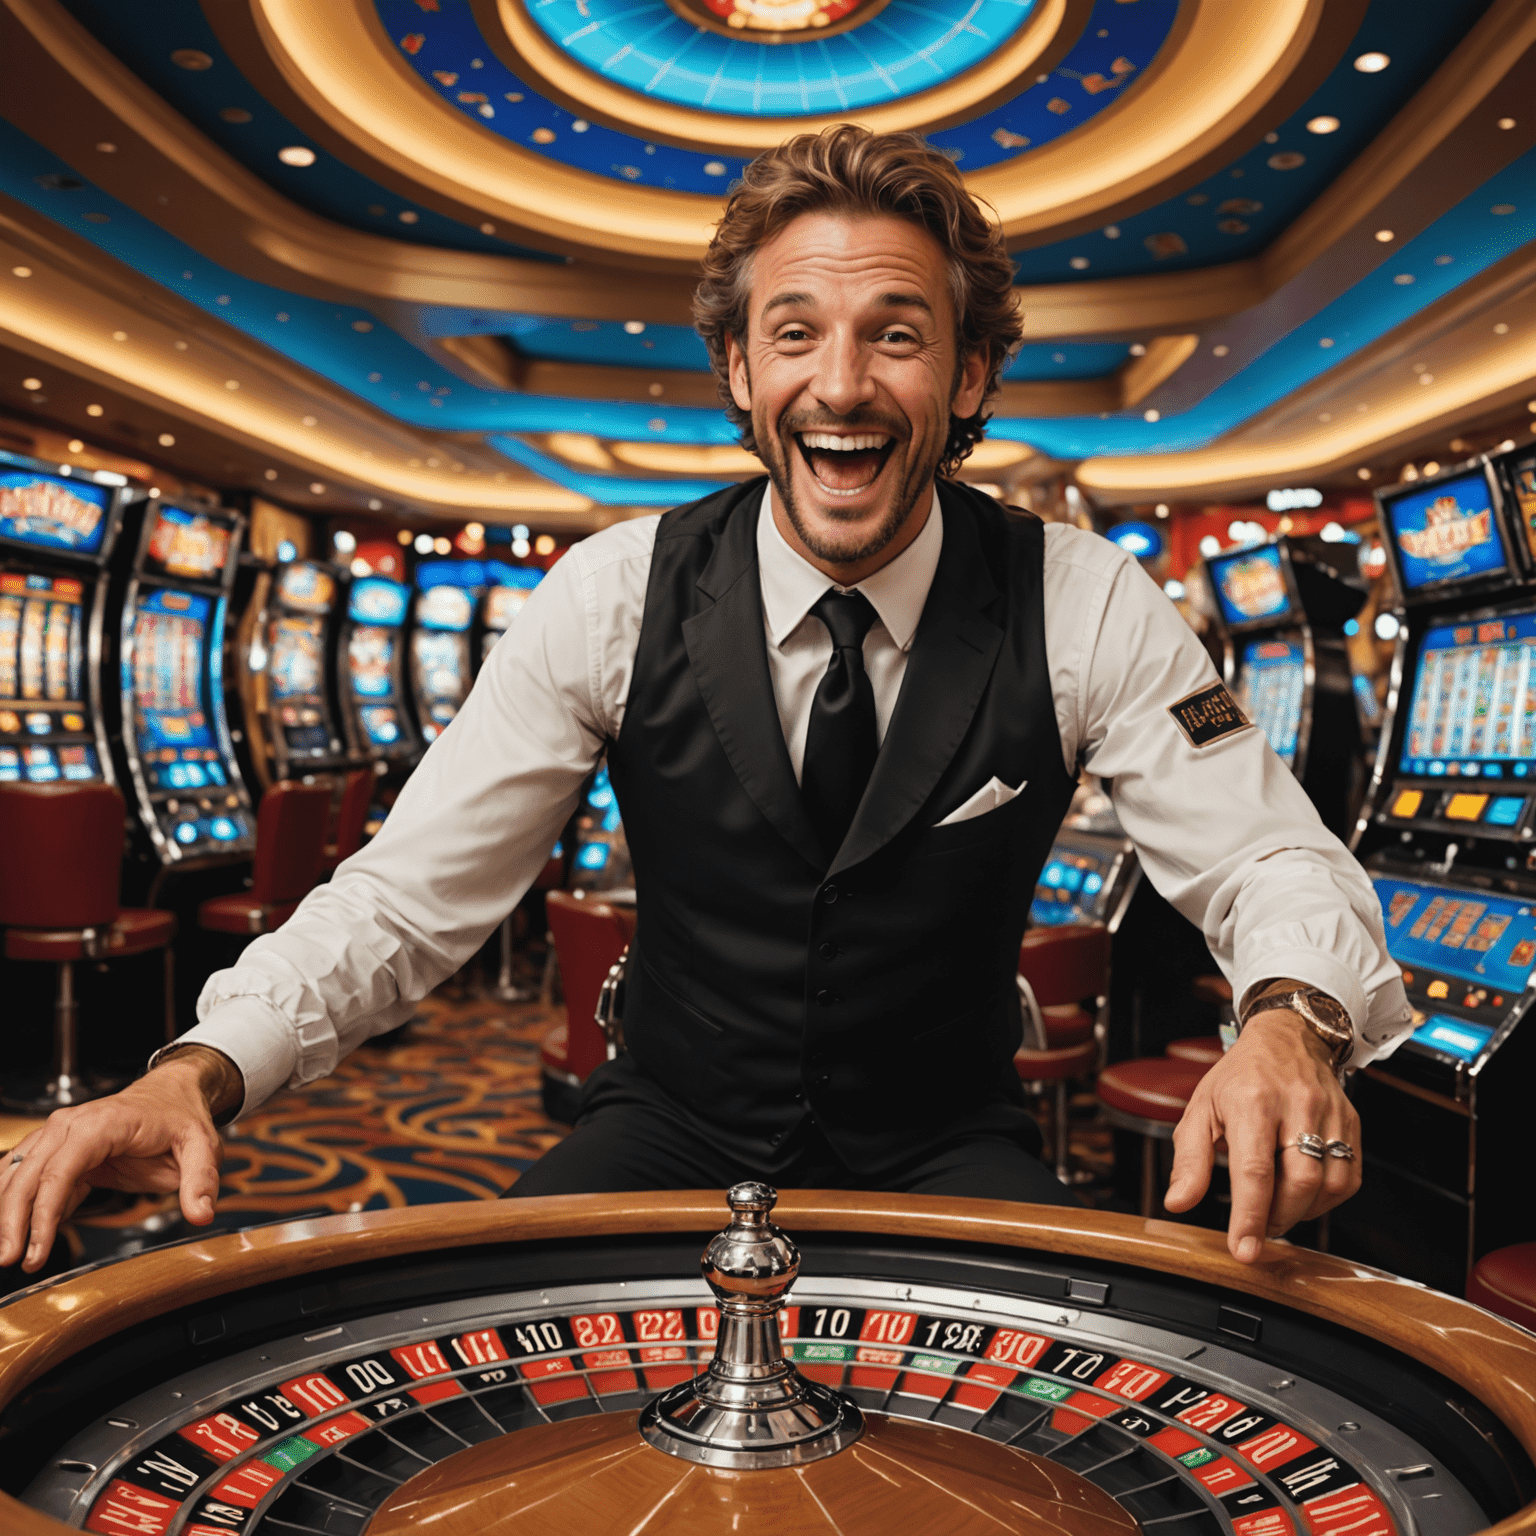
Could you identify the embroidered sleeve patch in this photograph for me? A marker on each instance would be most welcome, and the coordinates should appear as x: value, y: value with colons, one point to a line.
x: 1209, y: 715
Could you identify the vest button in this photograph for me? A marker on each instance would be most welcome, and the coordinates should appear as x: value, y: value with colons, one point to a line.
x: 826, y: 998
x: 829, y: 895
x: 828, y: 951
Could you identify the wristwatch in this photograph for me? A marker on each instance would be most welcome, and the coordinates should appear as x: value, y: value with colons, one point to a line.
x: 1326, y: 1016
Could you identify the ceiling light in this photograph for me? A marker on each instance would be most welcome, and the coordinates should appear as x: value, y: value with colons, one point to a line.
x: 1151, y: 415
x: 154, y: 492
x: 423, y: 543
x: 474, y: 530
x: 297, y: 154
x: 1384, y: 235
x: 1210, y: 545
x: 634, y: 327
x: 308, y: 421
x: 344, y: 541
x: 1161, y: 509
x: 317, y: 487
x: 360, y: 567
x: 520, y: 530
x: 231, y: 383
x: 521, y: 549
x: 32, y: 384
x: 487, y: 229
x: 1325, y: 342
x: 1507, y: 446
x: 1403, y: 279
x: 441, y: 545
x: 166, y: 440
x: 544, y: 544
x: 1138, y: 349
x: 271, y: 474
x: 1364, y: 474
x: 1372, y: 63
x: 76, y: 446
x: 21, y: 271
x: 1221, y: 351
x: 95, y: 410
x: 1079, y: 263
x: 1323, y: 124
x: 1432, y: 468
x: 1501, y: 329
x: 375, y: 505
x: 403, y: 537
x: 1506, y: 123
x: 104, y: 148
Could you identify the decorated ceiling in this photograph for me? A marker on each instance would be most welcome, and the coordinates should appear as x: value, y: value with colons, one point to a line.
x: 437, y: 254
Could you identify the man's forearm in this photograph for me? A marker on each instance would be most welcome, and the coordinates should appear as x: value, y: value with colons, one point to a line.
x: 218, y: 1078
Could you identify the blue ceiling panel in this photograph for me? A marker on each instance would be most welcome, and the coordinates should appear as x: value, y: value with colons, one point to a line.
x: 1066, y: 360
x: 606, y: 490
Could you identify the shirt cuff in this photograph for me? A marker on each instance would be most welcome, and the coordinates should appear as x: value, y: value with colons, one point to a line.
x: 1315, y: 968
x: 257, y: 1038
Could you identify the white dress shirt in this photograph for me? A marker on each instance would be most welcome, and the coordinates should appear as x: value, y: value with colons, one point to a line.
x: 1224, y: 831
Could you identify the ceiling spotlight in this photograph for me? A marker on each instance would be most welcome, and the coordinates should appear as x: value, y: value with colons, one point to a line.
x: 1507, y: 446
x: 1364, y: 474
x: 76, y: 446
x: 404, y: 537
x: 521, y: 549
x: 297, y: 154
x: 1138, y: 349
x: 1384, y: 235
x: 423, y: 543
x: 474, y: 530
x: 1079, y: 263
x: 1220, y: 350
x: 634, y: 327
x: 544, y: 544
x: 1151, y: 415
x: 1506, y: 123
x: 95, y: 410
x: 1161, y: 509
x: 21, y: 271
x: 1432, y: 467
x: 345, y: 542
x: 166, y: 440
x: 1323, y: 124
x: 317, y: 488
x: 520, y: 530
x: 1501, y: 329
x: 271, y: 474
x: 32, y: 385
x: 105, y: 148
x: 375, y: 505
x: 441, y: 545
x: 360, y: 568
x: 1372, y: 63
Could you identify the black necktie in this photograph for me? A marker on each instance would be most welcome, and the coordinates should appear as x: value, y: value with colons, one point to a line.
x: 840, y: 743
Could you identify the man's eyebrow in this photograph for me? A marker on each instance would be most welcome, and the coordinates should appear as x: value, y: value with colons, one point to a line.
x: 905, y: 301
x: 785, y: 301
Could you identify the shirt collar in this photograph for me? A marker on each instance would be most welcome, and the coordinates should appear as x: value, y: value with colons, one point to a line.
x: 792, y: 585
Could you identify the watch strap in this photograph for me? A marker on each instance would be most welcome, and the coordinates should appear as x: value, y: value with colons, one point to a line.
x: 1325, y: 1016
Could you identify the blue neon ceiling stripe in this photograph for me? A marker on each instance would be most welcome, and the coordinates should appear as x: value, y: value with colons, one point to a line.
x: 607, y: 490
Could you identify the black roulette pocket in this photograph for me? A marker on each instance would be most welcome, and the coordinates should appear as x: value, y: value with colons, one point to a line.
x: 884, y: 1363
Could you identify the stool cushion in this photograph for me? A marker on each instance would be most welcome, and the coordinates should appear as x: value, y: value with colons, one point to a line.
x: 1153, y: 1087
x: 1067, y: 1025
x: 1053, y: 1065
x: 242, y: 913
x: 1065, y: 964
x: 1212, y: 989
x: 1504, y: 1281
x: 135, y: 930
x: 554, y: 1050
x: 1204, y: 1049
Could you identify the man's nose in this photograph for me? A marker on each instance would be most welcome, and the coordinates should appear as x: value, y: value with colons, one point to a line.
x: 843, y: 382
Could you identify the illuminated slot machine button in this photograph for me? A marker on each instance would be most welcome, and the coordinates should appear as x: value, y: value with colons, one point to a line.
x: 10, y: 722
x: 1464, y: 807
x: 186, y: 832
x: 195, y: 777
x: 10, y: 765
x: 40, y: 722
x: 74, y: 722
x: 1437, y: 989
x: 223, y: 830
x: 1407, y: 803
x: 215, y: 772
x: 175, y: 776
x: 1505, y: 811
x: 593, y: 856
x: 41, y: 765
x: 77, y: 763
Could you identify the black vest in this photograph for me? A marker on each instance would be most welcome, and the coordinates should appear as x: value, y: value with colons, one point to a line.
x: 873, y: 983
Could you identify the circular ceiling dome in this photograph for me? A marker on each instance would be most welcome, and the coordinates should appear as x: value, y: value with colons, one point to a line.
x: 875, y: 53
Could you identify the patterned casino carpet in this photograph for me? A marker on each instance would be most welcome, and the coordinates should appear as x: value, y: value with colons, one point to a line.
x: 449, y: 1110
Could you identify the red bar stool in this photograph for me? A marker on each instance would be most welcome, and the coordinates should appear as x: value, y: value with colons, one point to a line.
x: 351, y: 817
x: 1203, y: 1050
x: 1504, y: 1281
x: 1148, y: 1096
x: 290, y: 845
x: 590, y: 938
x: 58, y: 903
x: 1063, y: 973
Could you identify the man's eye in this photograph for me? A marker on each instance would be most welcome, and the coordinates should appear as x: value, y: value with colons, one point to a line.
x: 794, y: 333
x: 900, y: 338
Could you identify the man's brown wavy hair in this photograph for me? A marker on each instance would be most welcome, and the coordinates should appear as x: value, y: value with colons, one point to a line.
x: 849, y: 170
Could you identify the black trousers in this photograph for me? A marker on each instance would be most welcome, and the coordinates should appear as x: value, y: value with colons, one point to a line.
x: 631, y: 1136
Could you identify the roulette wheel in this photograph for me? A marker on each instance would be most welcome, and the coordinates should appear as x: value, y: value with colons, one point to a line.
x: 900, y: 1363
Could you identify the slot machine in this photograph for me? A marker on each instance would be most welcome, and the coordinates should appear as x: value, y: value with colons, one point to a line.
x: 57, y: 528
x: 1448, y: 837
x: 601, y: 860
x: 1281, y: 614
x: 447, y: 593
x: 370, y: 665
x: 193, y: 805
x: 290, y: 671
x: 1092, y: 870
x: 508, y: 588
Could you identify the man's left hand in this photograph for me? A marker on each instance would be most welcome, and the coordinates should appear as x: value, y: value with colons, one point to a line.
x: 1274, y: 1085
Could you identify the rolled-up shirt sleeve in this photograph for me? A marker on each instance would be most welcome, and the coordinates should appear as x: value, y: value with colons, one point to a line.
x: 470, y: 831
x: 1224, y: 830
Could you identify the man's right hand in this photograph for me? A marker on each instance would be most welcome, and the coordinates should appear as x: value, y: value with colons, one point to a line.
x: 156, y: 1136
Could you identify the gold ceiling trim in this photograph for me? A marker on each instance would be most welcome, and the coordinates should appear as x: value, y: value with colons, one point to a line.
x: 524, y: 47
x: 71, y: 310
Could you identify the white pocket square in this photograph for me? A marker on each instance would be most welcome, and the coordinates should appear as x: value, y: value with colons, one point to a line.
x: 993, y: 794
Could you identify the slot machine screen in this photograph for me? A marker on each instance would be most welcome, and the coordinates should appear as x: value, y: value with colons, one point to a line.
x: 1250, y: 585
x: 1473, y: 709
x: 377, y: 600
x: 42, y: 679
x: 510, y: 588
x: 1446, y: 532
x: 170, y: 692
x: 296, y: 678
x: 306, y: 588
x: 188, y: 543
x: 1068, y: 888
x: 53, y: 511
x: 370, y: 659
x: 1522, y: 476
x: 445, y: 608
x: 1478, y: 937
x: 381, y: 722
x: 503, y: 604
x: 1270, y: 690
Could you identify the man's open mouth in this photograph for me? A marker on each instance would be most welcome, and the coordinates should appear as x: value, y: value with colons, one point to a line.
x: 845, y: 463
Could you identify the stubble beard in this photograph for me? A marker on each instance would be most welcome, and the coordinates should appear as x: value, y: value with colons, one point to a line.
x: 834, y: 551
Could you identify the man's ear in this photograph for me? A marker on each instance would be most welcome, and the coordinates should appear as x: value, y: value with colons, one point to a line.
x: 741, y: 379
x: 971, y: 387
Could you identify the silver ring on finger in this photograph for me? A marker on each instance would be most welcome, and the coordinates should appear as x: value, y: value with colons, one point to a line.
x: 1341, y: 1150
x: 1311, y: 1146
x: 17, y: 1157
